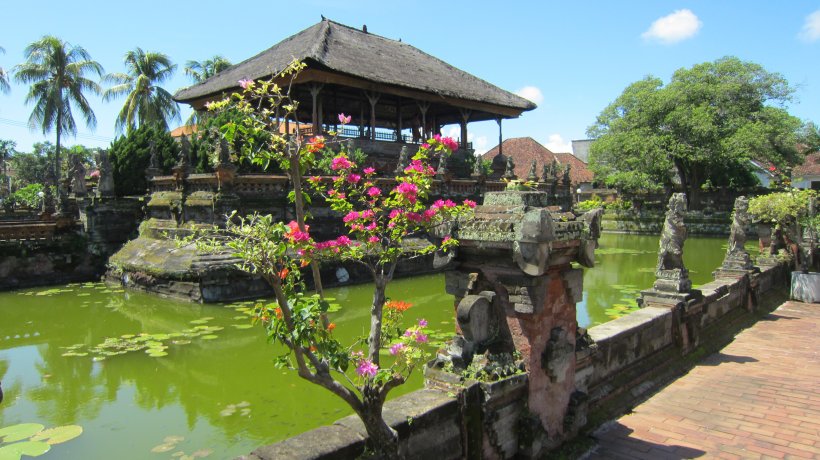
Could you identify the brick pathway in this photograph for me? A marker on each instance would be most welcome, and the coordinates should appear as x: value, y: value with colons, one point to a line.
x: 757, y: 398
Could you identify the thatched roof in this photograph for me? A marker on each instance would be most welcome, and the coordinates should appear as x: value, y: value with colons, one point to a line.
x: 390, y: 64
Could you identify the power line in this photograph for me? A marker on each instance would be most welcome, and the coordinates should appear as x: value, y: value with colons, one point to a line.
x: 79, y: 135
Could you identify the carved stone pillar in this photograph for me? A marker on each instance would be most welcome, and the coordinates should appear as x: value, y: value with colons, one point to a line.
x: 515, y: 293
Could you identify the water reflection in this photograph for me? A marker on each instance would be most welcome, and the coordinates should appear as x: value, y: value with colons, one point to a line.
x: 128, y: 404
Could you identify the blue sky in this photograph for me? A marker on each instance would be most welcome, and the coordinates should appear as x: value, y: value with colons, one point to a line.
x: 571, y: 58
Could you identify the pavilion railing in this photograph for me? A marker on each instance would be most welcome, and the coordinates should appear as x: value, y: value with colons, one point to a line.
x: 354, y: 133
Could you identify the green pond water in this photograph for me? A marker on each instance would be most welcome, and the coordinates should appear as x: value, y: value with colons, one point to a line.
x: 214, y: 385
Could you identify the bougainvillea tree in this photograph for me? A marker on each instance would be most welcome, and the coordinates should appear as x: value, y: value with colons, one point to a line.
x: 379, y: 215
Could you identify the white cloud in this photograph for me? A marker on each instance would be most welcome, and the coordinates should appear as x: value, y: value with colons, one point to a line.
x: 678, y: 26
x: 532, y: 93
x: 557, y: 144
x: 811, y: 28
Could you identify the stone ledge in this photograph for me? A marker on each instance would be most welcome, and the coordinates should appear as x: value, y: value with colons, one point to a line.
x: 427, y: 422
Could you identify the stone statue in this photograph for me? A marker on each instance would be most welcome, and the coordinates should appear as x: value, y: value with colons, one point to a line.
x: 78, y: 187
x: 478, y: 169
x: 403, y: 161
x: 48, y: 196
x: 441, y: 172
x: 105, y: 186
x: 533, y: 176
x: 566, y: 174
x: 509, y: 169
x: 223, y: 152
x: 670, y: 271
x: 737, y: 258
x: 153, y: 163
x: 184, y: 159
x: 546, y: 171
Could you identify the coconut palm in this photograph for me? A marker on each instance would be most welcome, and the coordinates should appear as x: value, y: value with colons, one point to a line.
x: 4, y: 77
x: 57, y: 73
x: 145, y: 102
x: 203, y: 70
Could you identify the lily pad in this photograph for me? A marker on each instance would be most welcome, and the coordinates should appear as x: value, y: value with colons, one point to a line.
x: 209, y: 337
x: 168, y: 446
x: 243, y: 326
x: 17, y: 450
x: 20, y: 431
x: 174, y: 438
x: 202, y: 453
x: 58, y: 435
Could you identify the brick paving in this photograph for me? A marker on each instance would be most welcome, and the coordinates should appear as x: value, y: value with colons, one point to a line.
x: 759, y: 397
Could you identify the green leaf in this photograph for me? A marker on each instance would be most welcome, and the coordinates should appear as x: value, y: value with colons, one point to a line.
x: 17, y: 450
x: 21, y: 431
x: 58, y: 435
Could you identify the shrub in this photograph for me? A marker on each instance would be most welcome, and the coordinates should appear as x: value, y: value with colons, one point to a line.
x: 588, y: 205
x: 618, y: 205
x: 131, y: 155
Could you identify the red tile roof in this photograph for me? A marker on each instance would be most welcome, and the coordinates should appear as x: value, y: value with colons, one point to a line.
x: 810, y: 167
x: 525, y: 149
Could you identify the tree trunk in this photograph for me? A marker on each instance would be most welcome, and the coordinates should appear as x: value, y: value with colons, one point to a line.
x: 374, y: 341
x: 383, y: 439
x: 299, y: 205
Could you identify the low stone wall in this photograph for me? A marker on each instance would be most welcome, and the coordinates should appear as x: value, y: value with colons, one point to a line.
x: 651, y: 223
x: 428, y: 423
x: 60, y: 259
x: 629, y: 357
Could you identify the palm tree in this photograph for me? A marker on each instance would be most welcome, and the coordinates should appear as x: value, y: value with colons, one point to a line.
x: 57, y: 72
x: 145, y: 102
x: 4, y: 77
x: 199, y: 71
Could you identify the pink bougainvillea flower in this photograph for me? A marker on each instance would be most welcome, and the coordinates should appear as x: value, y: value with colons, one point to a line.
x: 344, y: 119
x: 421, y: 338
x: 343, y: 241
x: 397, y: 348
x: 414, y: 217
x: 368, y: 214
x: 367, y: 368
x: 450, y: 143
x: 425, y: 146
x: 373, y: 192
x: 422, y: 322
x: 469, y: 203
x: 369, y: 170
x: 395, y: 213
x: 370, y: 227
x: 341, y: 162
x: 373, y: 239
x: 351, y: 216
x: 354, y: 178
x: 246, y: 83
x: 408, y: 191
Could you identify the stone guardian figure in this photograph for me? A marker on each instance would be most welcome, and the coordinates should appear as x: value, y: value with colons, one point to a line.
x: 672, y: 275
x: 78, y: 186
x: 105, y: 186
x: 737, y: 258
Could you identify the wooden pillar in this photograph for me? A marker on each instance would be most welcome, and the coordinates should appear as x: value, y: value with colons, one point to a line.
x: 321, y: 110
x: 465, y: 116
x: 423, y: 106
x: 373, y: 98
x: 361, y: 120
x: 314, y: 119
x: 500, y: 137
x: 398, y: 120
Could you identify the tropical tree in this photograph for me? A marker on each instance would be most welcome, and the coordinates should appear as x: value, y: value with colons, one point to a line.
x: 705, y: 125
x: 4, y: 77
x: 146, y: 102
x: 203, y: 70
x: 6, y: 151
x: 57, y: 73
x: 200, y: 71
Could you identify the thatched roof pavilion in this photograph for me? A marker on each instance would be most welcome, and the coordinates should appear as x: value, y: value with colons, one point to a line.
x: 405, y: 93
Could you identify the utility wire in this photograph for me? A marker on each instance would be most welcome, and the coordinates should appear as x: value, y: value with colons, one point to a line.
x: 80, y: 135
